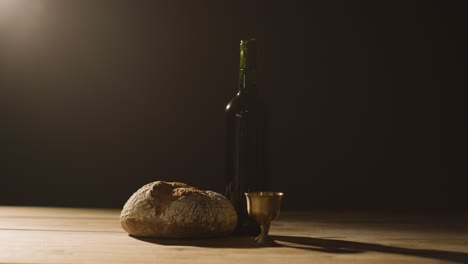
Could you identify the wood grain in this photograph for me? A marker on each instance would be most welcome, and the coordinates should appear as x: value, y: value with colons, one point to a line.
x: 66, y: 235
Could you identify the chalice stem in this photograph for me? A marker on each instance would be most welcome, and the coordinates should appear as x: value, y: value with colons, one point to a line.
x: 265, y: 229
x: 263, y: 237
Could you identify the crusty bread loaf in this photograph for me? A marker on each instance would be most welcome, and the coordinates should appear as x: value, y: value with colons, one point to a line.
x: 176, y: 210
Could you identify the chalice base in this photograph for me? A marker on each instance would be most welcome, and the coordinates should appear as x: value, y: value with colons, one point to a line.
x: 264, y: 240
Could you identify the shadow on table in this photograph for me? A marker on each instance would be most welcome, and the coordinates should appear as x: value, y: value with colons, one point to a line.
x: 224, y: 242
x: 335, y: 246
x: 313, y: 244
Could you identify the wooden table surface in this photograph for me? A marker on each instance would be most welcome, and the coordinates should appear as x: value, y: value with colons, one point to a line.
x: 66, y: 235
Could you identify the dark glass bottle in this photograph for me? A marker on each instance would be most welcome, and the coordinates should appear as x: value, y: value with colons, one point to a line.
x: 246, y: 140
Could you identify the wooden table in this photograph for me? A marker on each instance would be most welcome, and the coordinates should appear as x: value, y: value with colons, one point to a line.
x: 65, y: 235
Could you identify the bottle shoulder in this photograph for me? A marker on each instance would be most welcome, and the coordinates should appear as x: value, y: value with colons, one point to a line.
x: 245, y: 103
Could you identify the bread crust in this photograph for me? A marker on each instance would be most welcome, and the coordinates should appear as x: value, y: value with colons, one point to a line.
x: 176, y: 210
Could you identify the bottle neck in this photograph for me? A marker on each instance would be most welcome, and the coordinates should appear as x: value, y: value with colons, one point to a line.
x: 248, y: 61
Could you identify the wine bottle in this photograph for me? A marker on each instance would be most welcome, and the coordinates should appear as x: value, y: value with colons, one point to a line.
x: 246, y: 140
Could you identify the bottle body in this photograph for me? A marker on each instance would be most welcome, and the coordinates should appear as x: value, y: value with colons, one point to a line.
x: 246, y: 142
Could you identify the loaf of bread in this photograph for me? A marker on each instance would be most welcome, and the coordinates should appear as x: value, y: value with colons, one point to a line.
x: 175, y: 210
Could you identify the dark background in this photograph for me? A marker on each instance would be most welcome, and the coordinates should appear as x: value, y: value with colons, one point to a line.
x: 365, y: 99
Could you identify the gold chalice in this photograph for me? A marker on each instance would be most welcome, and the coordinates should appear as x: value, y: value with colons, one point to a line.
x: 264, y: 207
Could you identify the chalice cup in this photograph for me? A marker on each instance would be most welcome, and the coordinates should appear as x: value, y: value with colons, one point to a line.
x: 263, y: 207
